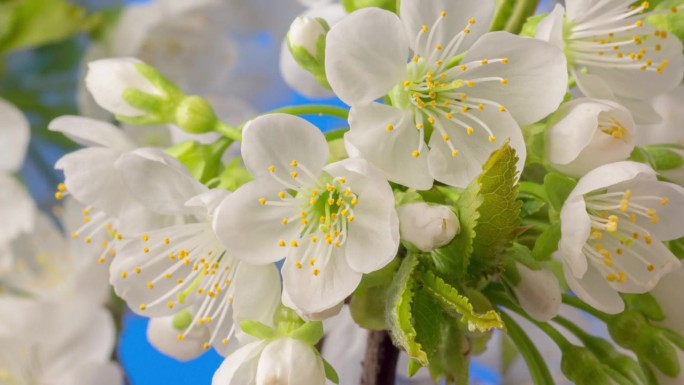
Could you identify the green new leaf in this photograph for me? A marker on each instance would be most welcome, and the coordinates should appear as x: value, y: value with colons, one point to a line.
x: 398, y: 310
x: 663, y: 157
x: 558, y: 187
x: 547, y: 243
x: 330, y: 372
x: 457, y: 305
x: 498, y: 215
x: 31, y: 23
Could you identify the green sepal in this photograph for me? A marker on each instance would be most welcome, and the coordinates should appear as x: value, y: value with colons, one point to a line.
x: 645, y: 304
x: 161, y: 82
x: 530, y: 27
x: 656, y: 349
x: 202, y: 160
x: 558, y: 187
x: 459, y: 306
x: 515, y: 254
x: 257, y: 329
x: 330, y: 372
x: 309, y: 333
x: 398, y: 310
x: 547, y: 243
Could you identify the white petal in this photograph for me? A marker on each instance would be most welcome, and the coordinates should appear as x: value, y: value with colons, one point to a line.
x: 671, y: 214
x: 345, y: 344
x: 300, y: 79
x: 91, y: 373
x: 667, y: 293
x: 164, y: 337
x: 316, y: 293
x: 209, y: 200
x: 319, y: 316
x: 390, y: 151
x: 581, y: 10
x: 90, y: 132
x: 16, y: 209
x: 575, y: 229
x: 418, y: 13
x: 288, y: 361
x: 240, y: 367
x: 536, y: 73
x: 365, y: 55
x: 640, y: 279
x: 278, y: 139
x: 593, y: 289
x: 475, y: 149
x: 538, y: 293
x: 250, y: 231
x: 15, y: 132
x: 427, y: 226
x: 550, y: 29
x: 107, y: 79
x: 90, y: 176
x: 158, y: 181
x: 611, y: 174
x: 373, y: 237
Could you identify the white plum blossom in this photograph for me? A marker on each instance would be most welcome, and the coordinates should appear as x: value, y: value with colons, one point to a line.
x: 60, y: 343
x: 588, y: 133
x: 427, y: 226
x: 333, y: 223
x: 168, y: 269
x: 278, y: 361
x: 538, y: 292
x: 16, y: 206
x: 612, y: 225
x: 613, y: 53
x: 447, y: 110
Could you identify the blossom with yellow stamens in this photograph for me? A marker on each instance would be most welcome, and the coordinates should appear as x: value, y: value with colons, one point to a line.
x: 348, y: 205
x: 612, y: 225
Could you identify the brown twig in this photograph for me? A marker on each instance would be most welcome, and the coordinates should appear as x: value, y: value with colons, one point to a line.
x: 380, y: 363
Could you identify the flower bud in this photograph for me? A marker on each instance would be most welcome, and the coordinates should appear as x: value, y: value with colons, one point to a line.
x: 588, y: 133
x: 306, y: 32
x: 195, y: 115
x: 108, y: 79
x: 427, y: 227
x: 582, y: 367
x: 538, y: 292
x: 162, y: 333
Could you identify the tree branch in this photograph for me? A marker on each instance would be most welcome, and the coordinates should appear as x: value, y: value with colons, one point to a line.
x: 380, y: 362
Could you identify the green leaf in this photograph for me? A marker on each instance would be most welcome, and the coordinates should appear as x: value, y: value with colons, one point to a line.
x: 558, y: 187
x: 32, y: 23
x: 547, y: 243
x: 367, y: 308
x: 663, y: 158
x: 498, y: 214
x: 451, y: 358
x: 398, y: 310
x: 330, y: 372
x: 458, y: 305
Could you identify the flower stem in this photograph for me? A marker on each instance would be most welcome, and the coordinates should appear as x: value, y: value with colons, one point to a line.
x: 521, y: 11
x: 380, y: 362
x: 335, y: 134
x: 228, y: 131
x: 535, y: 362
x: 313, y: 109
x: 579, y: 304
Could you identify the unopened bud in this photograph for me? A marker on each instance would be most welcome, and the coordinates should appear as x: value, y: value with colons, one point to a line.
x: 427, y: 227
x: 306, y: 43
x: 538, y: 292
x: 582, y: 367
x: 306, y: 32
x: 195, y: 115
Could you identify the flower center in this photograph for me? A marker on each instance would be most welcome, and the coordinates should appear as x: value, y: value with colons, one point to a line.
x: 326, y: 207
x: 610, y: 125
x: 436, y: 87
x: 618, y: 221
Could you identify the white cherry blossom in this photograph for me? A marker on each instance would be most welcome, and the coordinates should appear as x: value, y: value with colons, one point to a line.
x: 612, y: 225
x: 447, y: 110
x: 588, y: 133
x: 333, y: 223
x: 427, y: 226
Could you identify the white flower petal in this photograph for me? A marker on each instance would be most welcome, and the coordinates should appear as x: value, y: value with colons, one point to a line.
x: 90, y: 176
x: 365, y: 55
x: 288, y: 361
x: 575, y: 229
x: 16, y: 209
x: 91, y: 373
x: 277, y: 140
x: 107, y: 79
x: 670, y: 215
x: 15, y: 132
x: 164, y: 337
x: 536, y: 73
x: 474, y: 149
x: 550, y: 29
x: 158, y: 181
x: 538, y: 293
x: 668, y: 294
x: 390, y: 151
x: 418, y: 13
x: 611, y: 174
x: 91, y: 132
x: 251, y: 231
x: 240, y: 367
x: 593, y: 289
x: 316, y: 293
x: 640, y: 279
x: 300, y: 79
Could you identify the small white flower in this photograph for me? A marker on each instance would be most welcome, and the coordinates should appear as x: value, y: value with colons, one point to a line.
x: 333, y: 223
x: 445, y: 118
x: 625, y: 58
x: 167, y: 269
x: 427, y: 226
x: 588, y: 133
x: 107, y: 79
x: 538, y: 292
x: 283, y: 361
x: 612, y: 225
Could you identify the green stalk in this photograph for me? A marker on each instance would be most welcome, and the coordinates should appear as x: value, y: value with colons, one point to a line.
x: 313, y: 109
x: 579, y: 304
x: 539, y: 371
x: 521, y: 11
x: 229, y: 132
